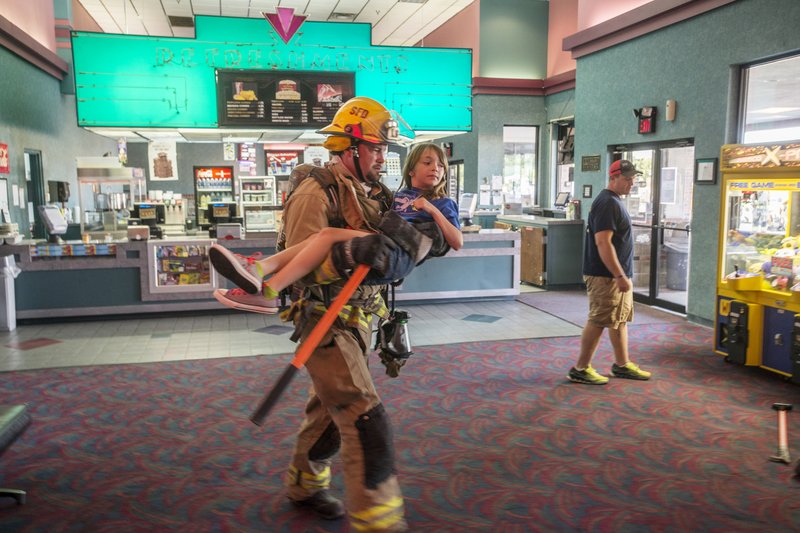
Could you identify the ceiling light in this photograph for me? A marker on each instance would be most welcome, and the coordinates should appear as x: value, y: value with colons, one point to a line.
x: 342, y: 17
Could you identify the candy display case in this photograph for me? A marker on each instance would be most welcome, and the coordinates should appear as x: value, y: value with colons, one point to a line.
x: 181, y: 267
x: 758, y: 272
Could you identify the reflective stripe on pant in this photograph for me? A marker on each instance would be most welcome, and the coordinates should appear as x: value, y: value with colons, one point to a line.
x: 343, y: 392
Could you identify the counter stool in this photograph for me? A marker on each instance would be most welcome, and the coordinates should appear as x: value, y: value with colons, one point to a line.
x: 14, y: 419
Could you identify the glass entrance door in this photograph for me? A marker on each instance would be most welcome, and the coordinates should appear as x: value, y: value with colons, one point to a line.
x: 660, y: 206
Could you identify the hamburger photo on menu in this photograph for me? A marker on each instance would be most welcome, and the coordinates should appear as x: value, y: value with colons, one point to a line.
x: 287, y: 90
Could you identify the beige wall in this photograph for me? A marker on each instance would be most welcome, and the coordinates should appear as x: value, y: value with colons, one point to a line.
x: 34, y: 17
x: 593, y: 12
x: 461, y: 31
x: 563, y: 21
x: 81, y: 20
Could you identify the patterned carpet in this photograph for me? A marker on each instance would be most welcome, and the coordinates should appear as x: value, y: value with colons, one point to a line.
x: 573, y: 306
x: 490, y: 437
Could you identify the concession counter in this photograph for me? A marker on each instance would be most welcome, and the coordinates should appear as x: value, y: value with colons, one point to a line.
x: 78, y: 279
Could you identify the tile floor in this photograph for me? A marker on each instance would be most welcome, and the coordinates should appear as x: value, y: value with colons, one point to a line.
x: 231, y: 334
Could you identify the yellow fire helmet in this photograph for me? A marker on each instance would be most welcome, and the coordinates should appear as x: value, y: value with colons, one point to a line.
x: 364, y: 119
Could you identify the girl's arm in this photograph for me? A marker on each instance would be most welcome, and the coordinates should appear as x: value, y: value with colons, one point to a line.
x: 452, y: 234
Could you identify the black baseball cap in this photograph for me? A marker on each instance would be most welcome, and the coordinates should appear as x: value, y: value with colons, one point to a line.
x: 624, y: 167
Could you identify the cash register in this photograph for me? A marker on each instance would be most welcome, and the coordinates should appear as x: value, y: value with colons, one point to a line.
x: 466, y: 210
x: 559, y: 206
x: 149, y: 216
x: 54, y: 222
x: 223, y: 220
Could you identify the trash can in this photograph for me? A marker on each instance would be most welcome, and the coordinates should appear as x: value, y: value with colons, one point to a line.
x: 677, y: 265
x: 8, y: 312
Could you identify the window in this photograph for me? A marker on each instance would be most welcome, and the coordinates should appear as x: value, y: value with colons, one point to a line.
x: 519, y: 163
x: 771, y: 101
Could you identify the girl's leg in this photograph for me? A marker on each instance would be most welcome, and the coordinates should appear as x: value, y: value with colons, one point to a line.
x: 302, y: 258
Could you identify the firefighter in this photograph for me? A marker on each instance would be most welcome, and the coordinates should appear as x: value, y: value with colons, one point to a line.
x: 344, y: 410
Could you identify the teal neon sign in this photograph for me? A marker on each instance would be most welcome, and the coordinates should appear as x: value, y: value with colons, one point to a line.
x: 164, y: 82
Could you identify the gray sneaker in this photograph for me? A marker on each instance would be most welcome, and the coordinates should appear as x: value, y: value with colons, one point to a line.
x: 630, y: 371
x: 241, y: 270
x: 588, y: 376
x: 254, y: 303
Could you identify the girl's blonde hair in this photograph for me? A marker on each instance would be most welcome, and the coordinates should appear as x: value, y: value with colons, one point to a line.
x: 439, y: 190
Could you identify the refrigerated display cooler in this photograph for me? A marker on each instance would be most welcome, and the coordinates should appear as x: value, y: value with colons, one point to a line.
x: 758, y: 280
x: 281, y: 164
x: 258, y: 203
x: 211, y: 184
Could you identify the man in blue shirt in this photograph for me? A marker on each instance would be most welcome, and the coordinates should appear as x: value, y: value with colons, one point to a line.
x: 607, y: 269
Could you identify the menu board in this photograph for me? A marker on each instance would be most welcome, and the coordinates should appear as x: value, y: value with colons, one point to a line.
x: 291, y: 98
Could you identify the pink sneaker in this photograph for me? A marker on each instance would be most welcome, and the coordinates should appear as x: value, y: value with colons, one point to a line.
x: 240, y: 299
x: 241, y: 270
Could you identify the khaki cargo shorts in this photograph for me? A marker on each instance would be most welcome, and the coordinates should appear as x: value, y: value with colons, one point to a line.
x: 608, y: 307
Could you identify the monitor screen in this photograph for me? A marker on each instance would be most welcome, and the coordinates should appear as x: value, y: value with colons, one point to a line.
x: 467, y: 205
x: 149, y: 214
x: 562, y: 199
x: 220, y: 212
x: 53, y: 219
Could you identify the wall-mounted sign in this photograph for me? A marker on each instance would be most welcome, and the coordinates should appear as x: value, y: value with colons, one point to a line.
x: 647, y: 119
x: 173, y: 80
x: 4, y: 165
x: 590, y: 163
x: 281, y: 98
x: 757, y: 157
x: 282, y: 163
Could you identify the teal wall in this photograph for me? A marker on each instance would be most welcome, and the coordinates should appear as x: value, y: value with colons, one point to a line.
x: 692, y: 63
x: 513, y: 39
x: 35, y: 115
x: 513, y: 44
x: 482, y: 149
x: 491, y: 113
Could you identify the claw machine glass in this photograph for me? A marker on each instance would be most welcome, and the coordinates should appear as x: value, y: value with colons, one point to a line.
x: 211, y: 184
x: 258, y: 202
x: 758, y: 278
x: 180, y: 267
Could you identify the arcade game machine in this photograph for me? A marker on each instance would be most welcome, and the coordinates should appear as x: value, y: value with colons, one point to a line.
x: 758, y: 279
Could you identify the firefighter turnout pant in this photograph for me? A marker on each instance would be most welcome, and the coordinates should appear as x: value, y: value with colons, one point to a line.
x: 344, y: 411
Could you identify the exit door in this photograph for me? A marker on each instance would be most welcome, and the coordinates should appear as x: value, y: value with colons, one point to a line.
x: 660, y: 207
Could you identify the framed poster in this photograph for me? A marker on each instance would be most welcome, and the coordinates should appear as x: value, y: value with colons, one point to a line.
x: 705, y: 171
x: 163, y: 160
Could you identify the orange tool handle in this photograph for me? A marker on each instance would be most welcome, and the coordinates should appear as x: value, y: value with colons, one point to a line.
x: 309, y: 345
